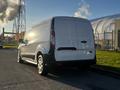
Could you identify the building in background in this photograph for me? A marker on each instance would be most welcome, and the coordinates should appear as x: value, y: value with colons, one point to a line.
x: 107, y: 32
x: 19, y: 36
x: 10, y: 39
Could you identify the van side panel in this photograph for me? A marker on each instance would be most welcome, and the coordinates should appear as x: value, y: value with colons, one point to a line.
x: 38, y: 37
x: 42, y: 35
x: 73, y: 39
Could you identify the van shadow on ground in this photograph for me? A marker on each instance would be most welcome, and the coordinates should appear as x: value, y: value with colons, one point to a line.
x: 109, y: 68
x: 81, y: 79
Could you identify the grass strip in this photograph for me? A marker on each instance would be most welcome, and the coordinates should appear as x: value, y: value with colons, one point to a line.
x: 109, y: 60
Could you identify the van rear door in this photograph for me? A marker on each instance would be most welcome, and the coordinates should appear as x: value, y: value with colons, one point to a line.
x: 73, y: 39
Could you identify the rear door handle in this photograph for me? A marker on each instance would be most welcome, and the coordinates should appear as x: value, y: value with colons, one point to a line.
x: 83, y: 41
x: 66, y: 48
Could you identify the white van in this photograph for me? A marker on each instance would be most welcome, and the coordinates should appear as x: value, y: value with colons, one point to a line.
x: 59, y: 40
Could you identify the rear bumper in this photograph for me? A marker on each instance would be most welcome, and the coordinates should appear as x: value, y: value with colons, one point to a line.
x: 76, y: 62
x: 52, y: 61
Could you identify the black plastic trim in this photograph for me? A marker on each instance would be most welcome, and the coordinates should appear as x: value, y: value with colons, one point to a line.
x: 76, y: 62
x: 66, y: 48
x: 83, y: 41
x: 29, y: 56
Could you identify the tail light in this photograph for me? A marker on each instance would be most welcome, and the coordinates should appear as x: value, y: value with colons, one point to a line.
x: 53, y: 38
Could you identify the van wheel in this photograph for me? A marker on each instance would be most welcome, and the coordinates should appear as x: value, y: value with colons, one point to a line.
x: 19, y: 58
x: 42, y: 66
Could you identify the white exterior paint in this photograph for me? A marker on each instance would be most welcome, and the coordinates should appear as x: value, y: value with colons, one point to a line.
x: 70, y: 32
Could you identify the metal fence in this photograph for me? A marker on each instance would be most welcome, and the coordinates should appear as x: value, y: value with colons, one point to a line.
x: 105, y: 40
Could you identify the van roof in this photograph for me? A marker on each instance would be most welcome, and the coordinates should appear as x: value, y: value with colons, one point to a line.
x: 68, y: 17
x: 49, y: 19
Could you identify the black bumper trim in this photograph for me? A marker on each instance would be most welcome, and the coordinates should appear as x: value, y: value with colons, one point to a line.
x: 77, y: 62
x: 51, y: 60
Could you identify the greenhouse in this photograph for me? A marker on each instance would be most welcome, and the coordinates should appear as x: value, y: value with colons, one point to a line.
x: 107, y: 32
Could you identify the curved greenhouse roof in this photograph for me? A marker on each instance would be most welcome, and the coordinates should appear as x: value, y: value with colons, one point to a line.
x: 107, y: 32
x: 105, y: 24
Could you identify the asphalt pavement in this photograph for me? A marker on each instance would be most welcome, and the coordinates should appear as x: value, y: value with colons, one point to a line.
x: 16, y: 76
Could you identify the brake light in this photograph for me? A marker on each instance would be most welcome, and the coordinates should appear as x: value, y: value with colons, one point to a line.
x: 53, y: 38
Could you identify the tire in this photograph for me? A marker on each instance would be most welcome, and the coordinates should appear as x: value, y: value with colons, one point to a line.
x: 20, y: 58
x: 42, y: 65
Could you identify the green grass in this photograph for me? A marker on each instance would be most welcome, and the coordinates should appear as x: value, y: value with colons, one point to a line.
x: 10, y: 45
x: 109, y: 60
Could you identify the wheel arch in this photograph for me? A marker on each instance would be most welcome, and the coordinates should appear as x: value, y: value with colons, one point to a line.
x: 40, y: 50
